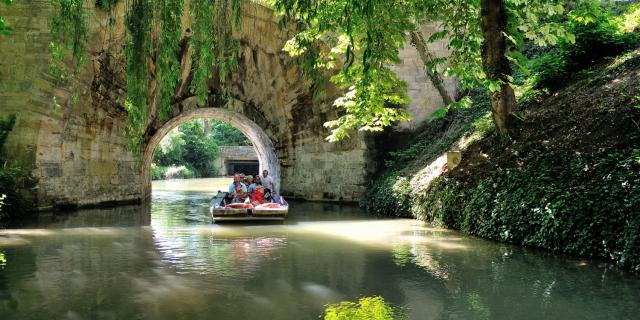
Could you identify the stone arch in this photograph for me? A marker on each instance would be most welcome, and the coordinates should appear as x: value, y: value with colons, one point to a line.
x: 262, y: 143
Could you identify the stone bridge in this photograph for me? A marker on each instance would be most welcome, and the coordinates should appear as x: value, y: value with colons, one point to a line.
x: 77, y: 151
x: 231, y: 157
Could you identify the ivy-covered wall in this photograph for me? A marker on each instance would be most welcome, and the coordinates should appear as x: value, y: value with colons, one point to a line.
x: 71, y: 134
x: 74, y: 147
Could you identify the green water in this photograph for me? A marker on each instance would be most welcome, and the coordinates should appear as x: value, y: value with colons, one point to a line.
x: 124, y: 263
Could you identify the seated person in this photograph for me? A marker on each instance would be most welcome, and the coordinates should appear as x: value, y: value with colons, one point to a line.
x: 258, y: 196
x: 239, y: 193
x: 232, y: 189
x: 268, y: 195
x: 236, y: 181
x: 254, y: 185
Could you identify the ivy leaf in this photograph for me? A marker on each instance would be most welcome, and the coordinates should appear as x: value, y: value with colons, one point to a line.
x: 440, y: 113
x: 438, y: 36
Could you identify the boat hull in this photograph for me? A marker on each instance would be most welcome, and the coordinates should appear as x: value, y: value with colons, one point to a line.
x: 225, y: 214
x: 220, y: 214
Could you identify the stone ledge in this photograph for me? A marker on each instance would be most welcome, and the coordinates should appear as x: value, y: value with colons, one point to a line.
x: 72, y: 206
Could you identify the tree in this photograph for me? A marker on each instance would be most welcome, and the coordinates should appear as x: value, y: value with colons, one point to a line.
x: 495, y: 63
x: 366, y: 36
x: 224, y: 134
x: 199, y: 151
x: 428, y: 59
x: 4, y: 28
x: 188, y: 146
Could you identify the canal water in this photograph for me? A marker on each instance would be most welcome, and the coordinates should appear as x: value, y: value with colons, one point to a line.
x: 124, y: 263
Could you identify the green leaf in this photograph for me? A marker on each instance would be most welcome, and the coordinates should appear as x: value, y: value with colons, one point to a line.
x: 437, y: 36
x: 440, y: 113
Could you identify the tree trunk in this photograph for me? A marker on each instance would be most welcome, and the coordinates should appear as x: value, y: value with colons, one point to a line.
x: 495, y: 63
x: 426, y: 57
x: 206, y: 127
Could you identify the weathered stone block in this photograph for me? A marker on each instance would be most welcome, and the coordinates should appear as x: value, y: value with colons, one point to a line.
x: 52, y: 170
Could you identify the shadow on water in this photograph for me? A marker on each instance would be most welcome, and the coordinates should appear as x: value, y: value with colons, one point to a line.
x: 118, y: 216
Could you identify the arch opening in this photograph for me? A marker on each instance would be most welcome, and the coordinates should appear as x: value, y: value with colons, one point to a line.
x: 262, y: 144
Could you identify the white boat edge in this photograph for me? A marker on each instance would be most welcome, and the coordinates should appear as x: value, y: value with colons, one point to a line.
x: 248, y: 218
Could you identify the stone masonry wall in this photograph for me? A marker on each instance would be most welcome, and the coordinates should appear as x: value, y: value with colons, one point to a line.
x: 233, y: 153
x: 238, y: 152
x: 77, y: 151
x: 425, y: 98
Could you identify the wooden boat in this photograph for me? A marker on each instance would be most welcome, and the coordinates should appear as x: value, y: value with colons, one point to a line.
x: 223, y: 211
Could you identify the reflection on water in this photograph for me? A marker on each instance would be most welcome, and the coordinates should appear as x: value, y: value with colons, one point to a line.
x: 124, y: 263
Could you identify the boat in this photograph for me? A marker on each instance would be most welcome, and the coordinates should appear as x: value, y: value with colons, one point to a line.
x: 223, y: 211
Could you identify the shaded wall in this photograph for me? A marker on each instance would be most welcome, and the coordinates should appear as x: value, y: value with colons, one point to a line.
x: 76, y: 152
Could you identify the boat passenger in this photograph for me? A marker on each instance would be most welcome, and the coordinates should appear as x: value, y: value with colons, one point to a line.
x: 239, y: 194
x: 254, y: 185
x: 258, y: 196
x: 236, y: 180
x: 267, y: 182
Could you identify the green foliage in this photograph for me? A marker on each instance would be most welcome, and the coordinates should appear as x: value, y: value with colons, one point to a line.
x: 367, y: 308
x: 200, y: 152
x: 105, y: 5
x: 138, y: 48
x: 214, y: 50
x: 392, y: 193
x: 630, y: 21
x: 170, y: 149
x: 590, y: 207
x: 69, y: 31
x: 188, y: 147
x: 598, y: 33
x: 214, y: 47
x: 12, y: 202
x: 368, y: 35
x: 225, y: 134
x: 4, y: 28
x: 527, y: 20
x: 5, y: 126
x: 363, y: 39
x: 552, y: 189
x: 371, y: 103
x: 158, y: 172
x: 188, y: 152
x: 167, y: 64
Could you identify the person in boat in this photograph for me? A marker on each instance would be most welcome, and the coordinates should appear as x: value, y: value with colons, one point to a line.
x: 239, y: 194
x: 232, y: 189
x: 252, y: 187
x: 257, y: 197
x: 248, y: 180
x: 236, y: 180
x: 267, y: 182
